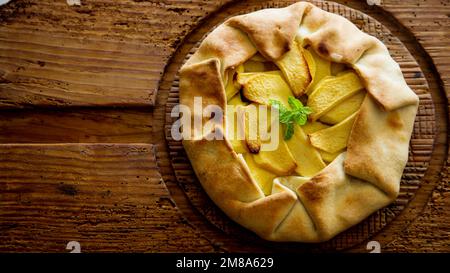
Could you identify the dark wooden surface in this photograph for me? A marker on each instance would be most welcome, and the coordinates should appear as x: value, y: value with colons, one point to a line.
x: 63, y: 159
x: 97, y: 194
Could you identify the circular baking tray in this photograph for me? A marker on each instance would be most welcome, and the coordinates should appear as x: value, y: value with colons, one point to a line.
x: 421, y: 145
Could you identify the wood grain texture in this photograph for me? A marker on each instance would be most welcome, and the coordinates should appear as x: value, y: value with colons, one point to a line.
x: 79, y: 125
x: 106, y: 197
x: 103, y: 52
x: 71, y: 56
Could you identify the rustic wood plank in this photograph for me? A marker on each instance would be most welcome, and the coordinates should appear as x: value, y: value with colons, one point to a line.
x: 146, y: 35
x: 106, y: 197
x: 76, y: 126
x: 100, y: 53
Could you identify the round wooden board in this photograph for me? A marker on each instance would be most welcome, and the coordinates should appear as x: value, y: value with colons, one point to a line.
x: 421, y: 145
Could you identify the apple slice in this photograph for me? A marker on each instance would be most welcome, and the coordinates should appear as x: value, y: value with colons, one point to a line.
x: 332, y: 91
x: 248, y: 126
x: 258, y: 58
x: 254, y: 66
x: 311, y: 127
x: 279, y: 161
x: 257, y: 126
x: 295, y: 69
x: 344, y: 109
x: 231, y: 86
x: 335, y: 138
x: 308, y: 159
x: 258, y: 63
x: 263, y: 87
x: 337, y: 68
x: 329, y: 157
x: 263, y: 177
x: 243, y: 77
x: 319, y: 68
x: 238, y: 145
x: 236, y: 100
x: 230, y: 91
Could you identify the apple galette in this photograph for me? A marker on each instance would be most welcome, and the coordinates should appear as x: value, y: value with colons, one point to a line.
x: 344, y: 116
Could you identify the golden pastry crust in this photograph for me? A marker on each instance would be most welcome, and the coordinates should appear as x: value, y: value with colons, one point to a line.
x: 358, y: 182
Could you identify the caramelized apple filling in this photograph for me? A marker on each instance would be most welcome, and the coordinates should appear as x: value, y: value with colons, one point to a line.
x: 332, y: 91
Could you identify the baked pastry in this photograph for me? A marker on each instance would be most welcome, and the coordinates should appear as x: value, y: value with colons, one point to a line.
x: 345, y: 163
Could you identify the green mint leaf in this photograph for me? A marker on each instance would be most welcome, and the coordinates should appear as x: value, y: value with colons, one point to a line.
x: 306, y: 110
x: 301, y: 118
x: 286, y: 117
x: 298, y: 114
x: 275, y: 103
x: 289, y: 132
x: 278, y: 105
x: 295, y: 103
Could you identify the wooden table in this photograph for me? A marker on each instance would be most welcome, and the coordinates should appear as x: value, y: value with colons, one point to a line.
x: 83, y: 155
